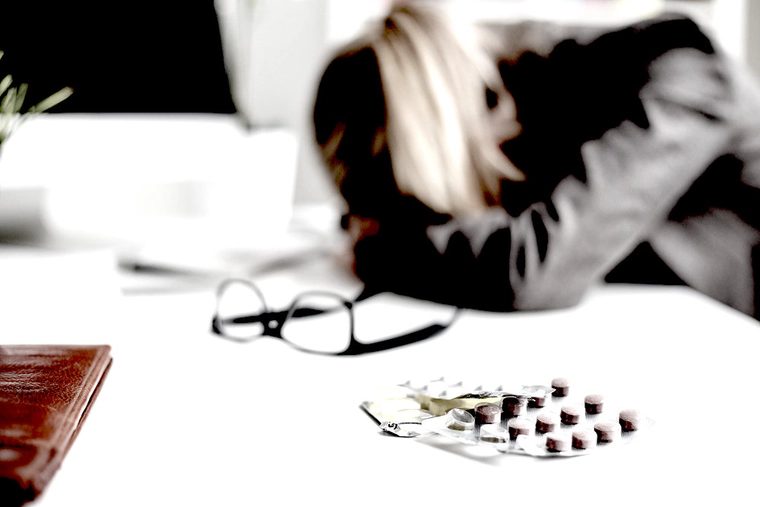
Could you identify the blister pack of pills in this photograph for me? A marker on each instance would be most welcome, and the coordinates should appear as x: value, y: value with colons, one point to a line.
x: 537, y: 420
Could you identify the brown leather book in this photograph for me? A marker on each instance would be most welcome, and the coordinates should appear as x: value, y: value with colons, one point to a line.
x: 46, y: 392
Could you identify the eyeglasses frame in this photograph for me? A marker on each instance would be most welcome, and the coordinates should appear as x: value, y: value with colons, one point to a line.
x: 273, y: 322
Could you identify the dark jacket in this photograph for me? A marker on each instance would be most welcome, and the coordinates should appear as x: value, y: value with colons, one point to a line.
x: 642, y: 155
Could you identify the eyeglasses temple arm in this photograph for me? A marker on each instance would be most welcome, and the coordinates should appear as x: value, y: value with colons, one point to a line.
x: 398, y: 341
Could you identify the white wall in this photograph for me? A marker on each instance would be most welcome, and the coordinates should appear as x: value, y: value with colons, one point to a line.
x: 276, y: 51
x: 753, y: 36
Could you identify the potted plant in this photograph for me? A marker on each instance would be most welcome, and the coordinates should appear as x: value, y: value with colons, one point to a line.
x: 12, y: 115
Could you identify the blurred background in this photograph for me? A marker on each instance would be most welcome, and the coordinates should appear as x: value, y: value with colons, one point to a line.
x: 188, y: 134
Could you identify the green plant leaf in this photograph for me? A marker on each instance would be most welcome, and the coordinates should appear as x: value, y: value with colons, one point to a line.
x: 20, y: 96
x: 5, y: 84
x: 51, y: 101
x: 8, y: 102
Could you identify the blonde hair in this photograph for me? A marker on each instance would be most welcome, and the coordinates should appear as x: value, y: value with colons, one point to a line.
x: 434, y: 74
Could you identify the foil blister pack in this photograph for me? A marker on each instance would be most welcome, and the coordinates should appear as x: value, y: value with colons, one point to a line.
x: 536, y: 420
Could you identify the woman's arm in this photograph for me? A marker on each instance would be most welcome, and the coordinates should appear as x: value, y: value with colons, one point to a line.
x: 552, y: 252
x: 635, y: 175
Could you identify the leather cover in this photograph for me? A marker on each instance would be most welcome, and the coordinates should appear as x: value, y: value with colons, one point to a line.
x: 46, y: 392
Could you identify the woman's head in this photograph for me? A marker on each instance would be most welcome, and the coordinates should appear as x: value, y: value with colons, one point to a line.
x: 412, y: 107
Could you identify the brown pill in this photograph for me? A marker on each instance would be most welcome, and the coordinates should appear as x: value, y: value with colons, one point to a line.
x: 546, y: 423
x: 518, y: 426
x: 630, y: 419
x: 487, y: 413
x: 537, y: 401
x: 512, y: 406
x: 606, y: 431
x: 557, y: 442
x: 584, y: 438
x: 561, y: 387
x: 570, y: 414
x: 594, y: 403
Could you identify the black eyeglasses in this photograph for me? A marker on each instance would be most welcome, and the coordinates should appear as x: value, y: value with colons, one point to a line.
x: 320, y: 322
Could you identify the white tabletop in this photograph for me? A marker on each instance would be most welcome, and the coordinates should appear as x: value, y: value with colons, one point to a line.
x: 185, y: 418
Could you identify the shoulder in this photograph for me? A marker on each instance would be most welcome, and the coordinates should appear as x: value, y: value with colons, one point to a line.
x: 644, y: 41
x: 635, y: 45
x: 598, y: 74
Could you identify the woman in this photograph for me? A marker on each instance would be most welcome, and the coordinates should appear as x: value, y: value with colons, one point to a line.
x: 484, y: 176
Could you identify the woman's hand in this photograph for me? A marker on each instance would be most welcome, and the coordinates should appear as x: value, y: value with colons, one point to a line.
x: 359, y: 228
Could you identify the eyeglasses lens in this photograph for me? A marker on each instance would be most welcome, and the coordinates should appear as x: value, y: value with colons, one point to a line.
x: 238, y: 305
x: 385, y: 315
x: 320, y: 323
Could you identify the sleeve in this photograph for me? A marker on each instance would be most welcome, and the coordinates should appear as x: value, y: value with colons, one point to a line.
x: 547, y: 256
